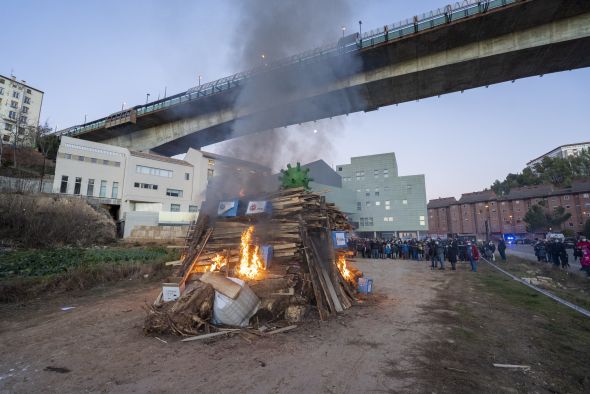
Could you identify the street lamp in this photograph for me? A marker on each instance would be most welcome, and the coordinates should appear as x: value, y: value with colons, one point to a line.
x: 199, y: 80
x: 123, y: 105
x: 147, y: 98
x: 361, y: 32
x: 343, y: 30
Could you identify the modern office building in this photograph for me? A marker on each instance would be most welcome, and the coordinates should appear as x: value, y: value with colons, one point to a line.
x: 562, y: 151
x: 140, y: 187
x: 20, y: 109
x: 484, y: 214
x: 387, y: 205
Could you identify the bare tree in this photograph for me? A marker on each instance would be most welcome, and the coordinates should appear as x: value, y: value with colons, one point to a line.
x: 43, y: 139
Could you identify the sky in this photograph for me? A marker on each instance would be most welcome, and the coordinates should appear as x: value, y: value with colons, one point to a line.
x: 90, y: 57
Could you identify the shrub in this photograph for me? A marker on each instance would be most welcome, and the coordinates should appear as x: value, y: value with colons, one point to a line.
x: 49, y: 221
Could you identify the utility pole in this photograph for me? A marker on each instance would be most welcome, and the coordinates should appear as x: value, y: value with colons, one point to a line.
x: 147, y: 98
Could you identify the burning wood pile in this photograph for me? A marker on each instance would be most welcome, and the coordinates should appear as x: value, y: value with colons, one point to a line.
x: 286, y: 259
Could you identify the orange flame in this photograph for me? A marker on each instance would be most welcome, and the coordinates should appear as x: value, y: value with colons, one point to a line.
x: 218, y: 262
x: 346, y: 273
x: 250, y: 258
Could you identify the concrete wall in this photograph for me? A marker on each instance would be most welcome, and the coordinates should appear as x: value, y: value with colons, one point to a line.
x: 8, y: 184
x: 165, y: 234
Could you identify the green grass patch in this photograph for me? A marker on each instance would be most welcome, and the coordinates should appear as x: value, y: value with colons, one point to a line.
x: 29, y: 273
x: 37, y: 263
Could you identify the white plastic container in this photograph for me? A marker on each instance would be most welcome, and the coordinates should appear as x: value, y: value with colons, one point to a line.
x: 235, y: 312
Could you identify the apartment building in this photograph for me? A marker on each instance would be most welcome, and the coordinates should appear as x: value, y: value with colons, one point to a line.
x: 20, y: 109
x: 562, y: 151
x: 484, y: 213
x: 128, y: 182
x: 387, y: 204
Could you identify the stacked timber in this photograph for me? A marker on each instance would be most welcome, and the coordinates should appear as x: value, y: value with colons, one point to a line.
x: 303, y: 270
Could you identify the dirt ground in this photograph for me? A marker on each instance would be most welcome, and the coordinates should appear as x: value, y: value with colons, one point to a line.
x: 410, y: 338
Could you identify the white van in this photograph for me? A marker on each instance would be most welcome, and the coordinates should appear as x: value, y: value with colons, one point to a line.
x: 552, y: 236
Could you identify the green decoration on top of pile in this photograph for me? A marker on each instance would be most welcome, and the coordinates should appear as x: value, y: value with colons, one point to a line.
x: 295, y: 177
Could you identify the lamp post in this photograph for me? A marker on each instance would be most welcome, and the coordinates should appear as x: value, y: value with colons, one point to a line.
x: 343, y: 30
x: 199, y: 80
x: 147, y: 98
x: 361, y: 33
x: 123, y: 105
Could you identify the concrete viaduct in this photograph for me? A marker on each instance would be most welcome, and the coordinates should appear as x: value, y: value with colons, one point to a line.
x: 476, y: 44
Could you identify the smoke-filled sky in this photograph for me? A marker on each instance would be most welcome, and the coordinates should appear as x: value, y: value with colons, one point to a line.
x: 91, y: 56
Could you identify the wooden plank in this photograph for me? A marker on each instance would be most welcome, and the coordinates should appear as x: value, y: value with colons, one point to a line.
x: 195, y: 258
x: 212, y: 335
x: 173, y: 263
x: 279, y: 330
x: 221, y: 284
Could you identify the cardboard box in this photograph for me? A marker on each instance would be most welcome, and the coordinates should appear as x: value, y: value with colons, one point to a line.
x: 365, y: 285
x: 255, y: 207
x: 172, y: 291
x: 228, y: 209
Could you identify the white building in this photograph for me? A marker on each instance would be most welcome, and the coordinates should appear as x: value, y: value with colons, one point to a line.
x: 20, y: 105
x: 562, y: 151
x: 139, y: 188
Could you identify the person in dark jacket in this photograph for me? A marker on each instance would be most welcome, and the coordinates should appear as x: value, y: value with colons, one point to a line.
x: 556, y: 251
x: 502, y: 249
x: 453, y: 251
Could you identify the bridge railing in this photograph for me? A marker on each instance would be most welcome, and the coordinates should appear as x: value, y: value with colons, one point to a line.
x: 433, y: 19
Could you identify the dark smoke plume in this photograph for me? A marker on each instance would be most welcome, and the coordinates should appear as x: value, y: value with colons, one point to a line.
x: 267, y: 31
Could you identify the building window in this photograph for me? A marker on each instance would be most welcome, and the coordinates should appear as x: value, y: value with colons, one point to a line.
x: 27, y: 100
x: 2, y: 91
x: 210, y: 172
x: 376, y: 192
x: 16, y: 95
x: 7, y: 127
x: 80, y: 158
x: 93, y: 160
x: 386, y: 173
x: 174, y: 192
x: 23, y: 119
x: 586, y: 195
x: 77, y: 185
x: 153, y: 171
x: 405, y: 202
x: 29, y: 91
x: 387, y: 205
x: 106, y: 162
x: 174, y: 207
x: 377, y: 203
x: 145, y: 186
x: 187, y: 176
x: 12, y: 115
x: 68, y: 156
x: 368, y: 203
x: 14, y: 104
x: 90, y: 188
x: 25, y: 110
x: 115, y: 191
x: 359, y: 206
x: 193, y: 208
x: 566, y: 197
x: 6, y: 138
x: 103, y: 189
x: 64, y: 184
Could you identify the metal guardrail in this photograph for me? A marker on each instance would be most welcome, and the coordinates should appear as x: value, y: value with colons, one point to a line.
x: 575, y: 307
x: 396, y: 31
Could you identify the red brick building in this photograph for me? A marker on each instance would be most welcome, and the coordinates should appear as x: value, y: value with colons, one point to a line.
x: 484, y: 212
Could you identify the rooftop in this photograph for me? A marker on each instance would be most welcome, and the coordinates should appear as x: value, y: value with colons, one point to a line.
x: 153, y: 156
x: 559, y: 147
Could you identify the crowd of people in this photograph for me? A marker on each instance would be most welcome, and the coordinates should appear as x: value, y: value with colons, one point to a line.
x: 554, y: 251
x: 439, y: 251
